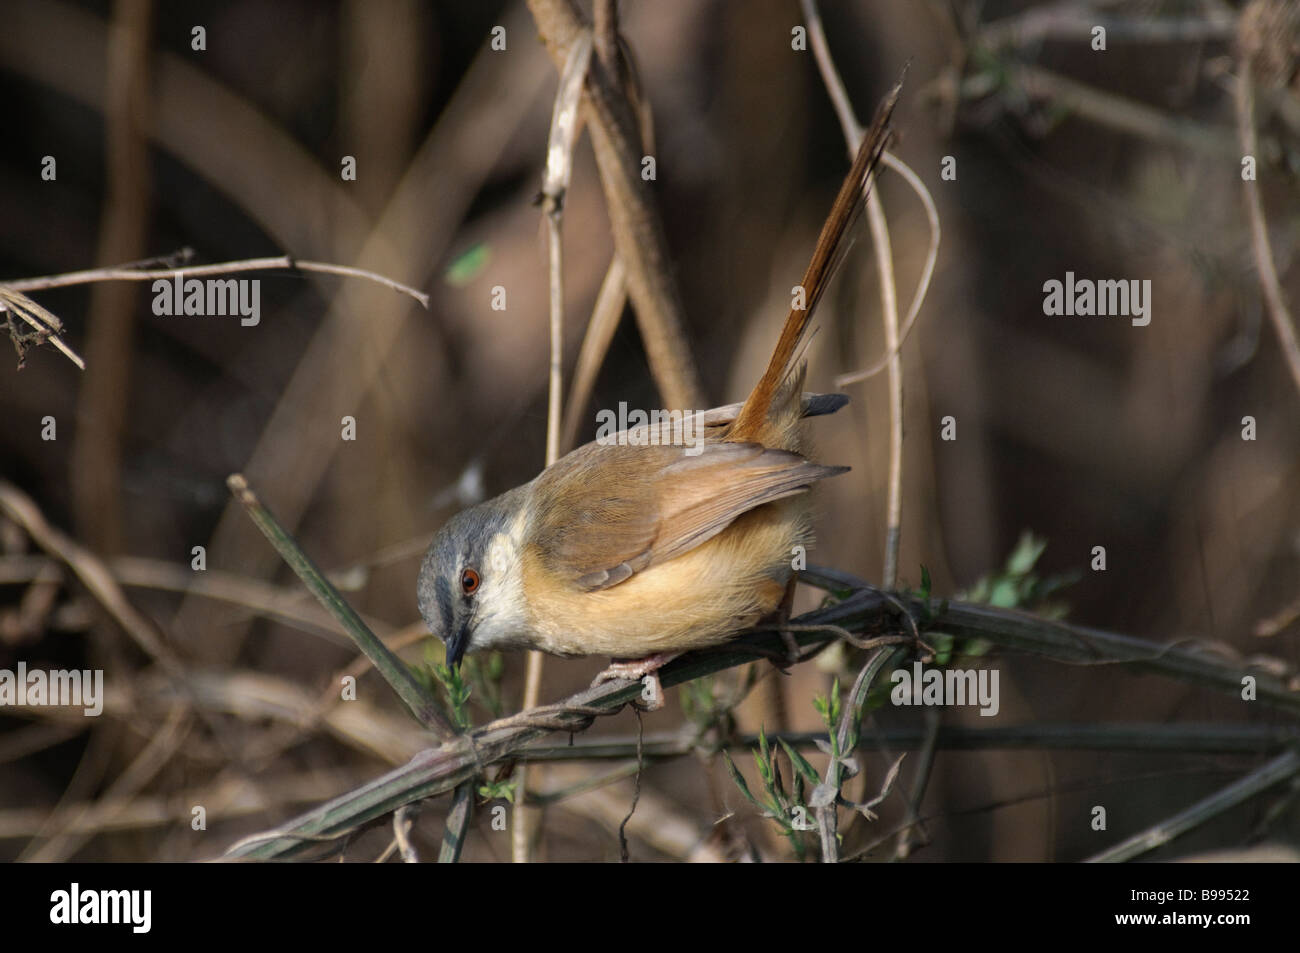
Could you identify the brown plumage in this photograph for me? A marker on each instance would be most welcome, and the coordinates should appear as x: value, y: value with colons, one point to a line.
x: 635, y: 550
x: 638, y: 547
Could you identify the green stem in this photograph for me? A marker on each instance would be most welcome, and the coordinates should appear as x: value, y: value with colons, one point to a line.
x: 393, y: 669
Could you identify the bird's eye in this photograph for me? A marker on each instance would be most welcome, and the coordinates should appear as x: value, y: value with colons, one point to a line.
x: 469, y: 582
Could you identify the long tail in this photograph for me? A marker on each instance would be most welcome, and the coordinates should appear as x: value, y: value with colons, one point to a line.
x: 826, y: 257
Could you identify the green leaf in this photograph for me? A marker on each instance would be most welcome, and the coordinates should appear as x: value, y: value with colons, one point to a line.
x: 498, y: 789
x: 456, y: 692
x: 1026, y: 554
x: 800, y: 763
x: 466, y: 266
x: 739, y: 780
x: 778, y: 785
x: 1004, y: 594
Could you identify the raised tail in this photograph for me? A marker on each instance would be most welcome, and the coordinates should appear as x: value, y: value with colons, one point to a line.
x: 826, y: 257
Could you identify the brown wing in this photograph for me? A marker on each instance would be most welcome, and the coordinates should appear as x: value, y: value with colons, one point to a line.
x: 650, y: 504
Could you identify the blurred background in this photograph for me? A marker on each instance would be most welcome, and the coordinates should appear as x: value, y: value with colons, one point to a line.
x: 1117, y: 164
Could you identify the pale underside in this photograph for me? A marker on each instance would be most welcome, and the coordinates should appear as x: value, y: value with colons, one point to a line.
x: 664, y: 550
x: 697, y: 599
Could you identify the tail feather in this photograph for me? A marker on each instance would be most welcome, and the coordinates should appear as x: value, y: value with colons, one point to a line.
x: 825, y: 258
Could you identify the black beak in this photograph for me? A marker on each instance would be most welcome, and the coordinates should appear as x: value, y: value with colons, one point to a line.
x: 457, y: 642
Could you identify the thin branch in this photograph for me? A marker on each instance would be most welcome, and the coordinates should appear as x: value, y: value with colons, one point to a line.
x: 225, y: 799
x: 48, y: 327
x: 852, y: 130
x: 46, y: 324
x: 929, y: 746
x: 591, y: 783
x: 1084, y: 646
x: 108, y: 336
x: 1052, y: 789
x: 1278, y: 312
x: 1186, y: 659
x: 1154, y: 738
x: 595, y: 343
x: 92, y: 572
x: 888, y: 293
x: 849, y: 124
x: 155, y: 756
x: 458, y: 759
x: 403, y: 823
x: 604, y: 18
x: 462, y: 807
x: 559, y: 170
x: 1071, y: 21
x: 889, y: 310
x: 1271, y: 626
x: 609, y: 302
x: 927, y: 270
x: 828, y: 813
x: 638, y: 232
x: 1282, y: 768
x: 394, y: 670
x: 282, y: 262
x: 1108, y: 109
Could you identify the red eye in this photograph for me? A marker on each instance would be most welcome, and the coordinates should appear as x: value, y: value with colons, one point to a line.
x: 469, y: 581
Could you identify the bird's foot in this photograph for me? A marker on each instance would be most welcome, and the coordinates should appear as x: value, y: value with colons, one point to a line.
x: 779, y: 619
x: 645, y: 669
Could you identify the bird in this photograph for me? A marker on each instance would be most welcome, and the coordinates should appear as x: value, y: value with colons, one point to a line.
x: 641, y: 548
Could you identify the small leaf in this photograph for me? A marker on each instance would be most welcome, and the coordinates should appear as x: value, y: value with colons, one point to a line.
x: 890, y: 777
x: 739, y: 780
x: 800, y: 763
x: 1004, y: 594
x: 824, y: 747
x: 778, y: 786
x: 925, y: 582
x: 943, y: 645
x: 498, y: 789
x: 1025, y: 555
